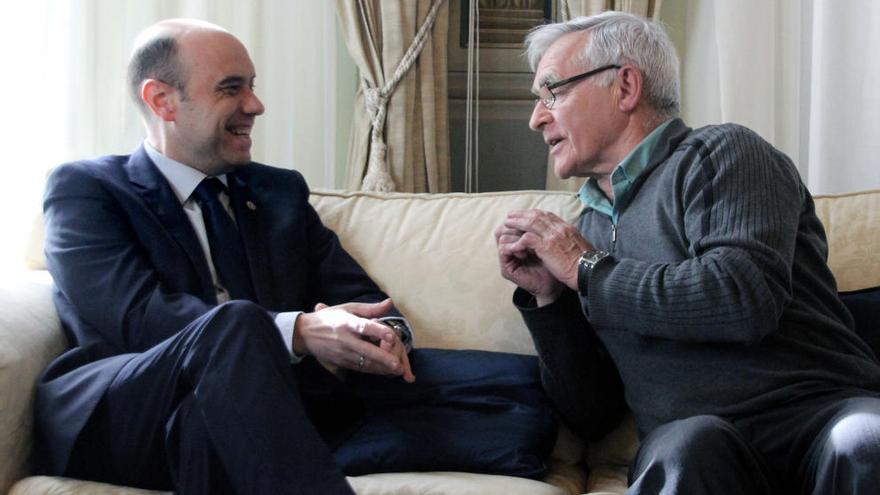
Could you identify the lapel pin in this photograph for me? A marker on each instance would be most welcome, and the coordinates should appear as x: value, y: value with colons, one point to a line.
x: 251, y: 206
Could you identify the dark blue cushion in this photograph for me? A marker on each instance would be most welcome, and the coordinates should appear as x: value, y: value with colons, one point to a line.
x: 865, y: 308
x: 473, y: 411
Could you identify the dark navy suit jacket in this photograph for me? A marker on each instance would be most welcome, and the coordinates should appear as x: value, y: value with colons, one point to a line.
x: 129, y: 272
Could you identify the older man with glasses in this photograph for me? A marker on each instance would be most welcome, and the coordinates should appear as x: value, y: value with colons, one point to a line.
x: 693, y: 289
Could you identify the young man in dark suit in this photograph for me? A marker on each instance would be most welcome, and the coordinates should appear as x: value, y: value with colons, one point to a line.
x: 201, y: 295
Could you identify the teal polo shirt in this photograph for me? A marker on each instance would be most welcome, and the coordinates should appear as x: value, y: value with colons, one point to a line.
x: 622, y: 178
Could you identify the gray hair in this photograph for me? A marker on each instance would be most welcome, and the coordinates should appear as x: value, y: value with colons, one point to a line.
x: 156, y: 59
x: 620, y: 38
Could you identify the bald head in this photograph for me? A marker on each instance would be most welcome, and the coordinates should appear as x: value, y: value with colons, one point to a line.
x: 194, y: 84
x: 157, y: 54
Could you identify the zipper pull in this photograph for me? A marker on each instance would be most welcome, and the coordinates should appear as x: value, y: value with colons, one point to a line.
x: 613, y: 236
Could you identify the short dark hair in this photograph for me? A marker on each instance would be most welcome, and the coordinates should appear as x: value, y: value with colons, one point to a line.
x: 156, y: 59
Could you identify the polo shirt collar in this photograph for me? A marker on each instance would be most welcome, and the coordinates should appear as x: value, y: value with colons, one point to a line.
x: 622, y: 178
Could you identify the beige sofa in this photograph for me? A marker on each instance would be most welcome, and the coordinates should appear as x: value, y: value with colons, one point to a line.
x: 435, y: 255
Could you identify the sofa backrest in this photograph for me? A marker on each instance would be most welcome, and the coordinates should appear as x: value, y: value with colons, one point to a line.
x: 852, y: 225
x: 30, y: 337
x: 435, y: 255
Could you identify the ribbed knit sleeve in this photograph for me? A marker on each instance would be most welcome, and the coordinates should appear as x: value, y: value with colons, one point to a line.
x: 739, y: 201
x: 576, y: 371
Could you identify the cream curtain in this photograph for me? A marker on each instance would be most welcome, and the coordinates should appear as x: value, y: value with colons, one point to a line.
x: 292, y: 44
x: 71, y: 99
x: 416, y: 132
x: 798, y: 72
x: 576, y: 8
x: 795, y: 71
x: 569, y: 9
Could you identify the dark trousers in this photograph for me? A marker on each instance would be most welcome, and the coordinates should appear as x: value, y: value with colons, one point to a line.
x: 821, y: 446
x: 217, y: 409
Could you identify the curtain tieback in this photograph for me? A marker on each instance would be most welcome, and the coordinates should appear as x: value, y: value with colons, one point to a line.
x: 378, y: 177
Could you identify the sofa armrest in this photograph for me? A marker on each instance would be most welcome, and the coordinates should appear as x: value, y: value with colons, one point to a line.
x: 30, y: 337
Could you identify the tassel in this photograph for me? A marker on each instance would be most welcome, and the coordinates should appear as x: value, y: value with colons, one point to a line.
x: 377, y: 177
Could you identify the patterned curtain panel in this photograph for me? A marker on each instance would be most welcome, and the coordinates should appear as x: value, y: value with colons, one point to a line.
x: 400, y: 131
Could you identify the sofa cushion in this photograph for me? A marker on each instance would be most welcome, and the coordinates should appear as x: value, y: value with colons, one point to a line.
x: 438, y: 483
x: 50, y: 485
x: 449, y: 483
x: 865, y: 308
x: 472, y: 411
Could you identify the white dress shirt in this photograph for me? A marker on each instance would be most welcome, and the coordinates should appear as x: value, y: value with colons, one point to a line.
x: 184, y: 180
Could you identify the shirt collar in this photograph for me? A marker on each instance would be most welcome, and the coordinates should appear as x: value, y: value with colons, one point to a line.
x: 182, y: 178
x: 623, y: 175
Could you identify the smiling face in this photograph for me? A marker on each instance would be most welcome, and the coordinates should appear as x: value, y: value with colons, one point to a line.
x: 214, y: 115
x: 584, y: 126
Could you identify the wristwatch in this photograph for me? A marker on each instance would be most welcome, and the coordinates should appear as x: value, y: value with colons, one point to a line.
x: 400, y: 329
x: 395, y: 325
x: 587, y: 261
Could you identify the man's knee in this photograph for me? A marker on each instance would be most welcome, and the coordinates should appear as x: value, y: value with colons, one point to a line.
x: 232, y: 318
x: 846, y: 457
x: 697, y: 433
x: 685, y: 443
x: 686, y: 456
x: 230, y: 328
x: 240, y: 311
x: 854, y: 438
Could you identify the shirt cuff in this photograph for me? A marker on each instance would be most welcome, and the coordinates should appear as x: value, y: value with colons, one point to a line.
x: 286, y: 322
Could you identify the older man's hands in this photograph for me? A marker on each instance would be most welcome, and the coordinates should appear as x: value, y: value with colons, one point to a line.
x: 348, y: 336
x: 539, y: 252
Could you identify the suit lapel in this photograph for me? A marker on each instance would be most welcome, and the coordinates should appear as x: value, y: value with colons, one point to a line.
x: 154, y: 189
x: 247, y: 210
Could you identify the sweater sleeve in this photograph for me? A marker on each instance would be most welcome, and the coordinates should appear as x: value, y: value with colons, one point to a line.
x: 740, y: 201
x: 577, y: 372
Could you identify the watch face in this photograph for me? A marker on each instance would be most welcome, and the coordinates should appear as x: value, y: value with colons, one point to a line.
x: 590, y: 258
x: 585, y: 266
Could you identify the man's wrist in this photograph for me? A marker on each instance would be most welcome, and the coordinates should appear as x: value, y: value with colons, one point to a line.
x: 545, y: 299
x: 586, y: 263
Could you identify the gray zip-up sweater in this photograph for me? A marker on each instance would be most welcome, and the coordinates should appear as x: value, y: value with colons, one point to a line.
x: 716, y: 299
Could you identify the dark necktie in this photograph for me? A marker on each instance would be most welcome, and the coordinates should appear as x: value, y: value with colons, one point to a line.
x: 227, y: 250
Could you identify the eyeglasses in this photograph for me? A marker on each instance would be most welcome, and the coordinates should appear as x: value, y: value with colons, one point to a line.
x: 545, y: 92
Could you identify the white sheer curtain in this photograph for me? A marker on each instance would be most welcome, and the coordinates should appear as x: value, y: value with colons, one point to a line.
x: 64, y: 87
x: 801, y: 73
